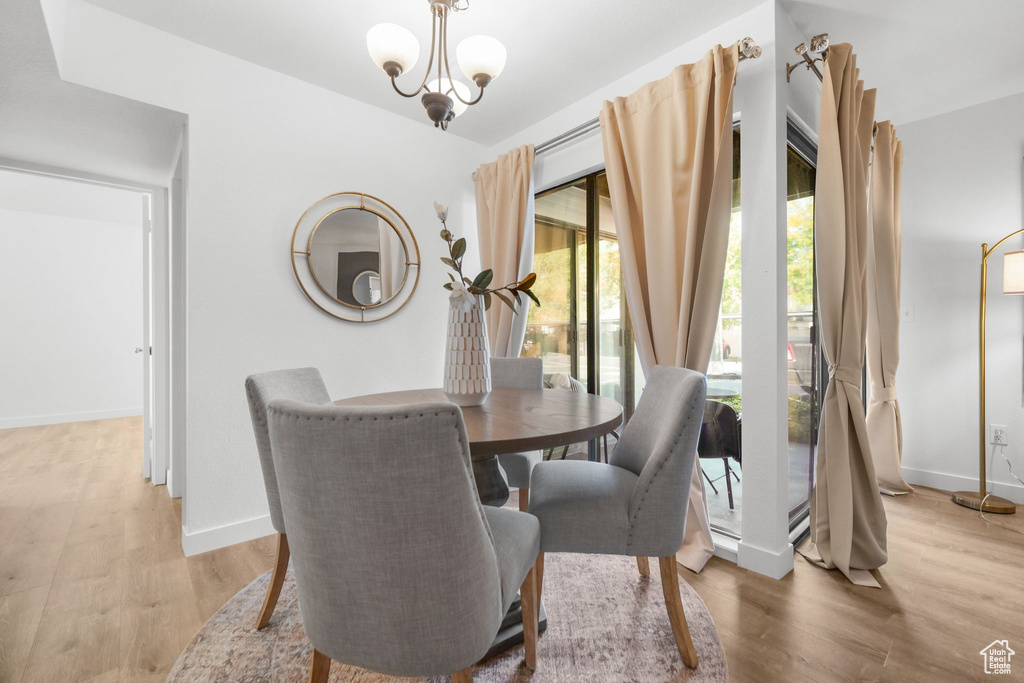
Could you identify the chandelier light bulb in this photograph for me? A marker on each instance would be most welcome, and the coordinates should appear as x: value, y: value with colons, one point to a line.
x: 392, y: 46
x: 461, y: 88
x: 481, y: 58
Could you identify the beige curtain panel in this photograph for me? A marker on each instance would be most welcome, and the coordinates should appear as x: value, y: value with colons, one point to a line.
x: 847, y: 519
x: 885, y: 433
x: 504, y: 216
x: 668, y: 151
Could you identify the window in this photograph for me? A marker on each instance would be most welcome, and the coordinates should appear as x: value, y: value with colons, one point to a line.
x: 579, y: 279
x: 725, y: 370
x: 803, y: 350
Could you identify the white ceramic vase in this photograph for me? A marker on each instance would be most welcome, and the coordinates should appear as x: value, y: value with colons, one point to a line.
x: 467, y: 357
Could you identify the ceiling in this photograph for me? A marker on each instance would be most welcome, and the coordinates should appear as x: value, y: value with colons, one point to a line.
x: 557, y: 51
x: 47, y: 121
x: 926, y: 57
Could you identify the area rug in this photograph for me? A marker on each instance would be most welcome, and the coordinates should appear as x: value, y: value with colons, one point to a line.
x: 605, y: 623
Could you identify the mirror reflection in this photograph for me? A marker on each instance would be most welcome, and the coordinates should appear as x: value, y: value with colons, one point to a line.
x: 357, y: 257
x: 366, y: 287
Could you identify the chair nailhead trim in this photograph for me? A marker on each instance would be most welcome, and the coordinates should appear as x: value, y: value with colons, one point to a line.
x: 632, y: 521
x: 466, y: 459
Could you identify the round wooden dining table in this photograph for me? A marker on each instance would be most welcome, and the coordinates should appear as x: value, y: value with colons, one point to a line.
x: 515, y: 420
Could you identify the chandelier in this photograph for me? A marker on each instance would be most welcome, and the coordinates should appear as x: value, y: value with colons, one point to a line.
x: 481, y: 58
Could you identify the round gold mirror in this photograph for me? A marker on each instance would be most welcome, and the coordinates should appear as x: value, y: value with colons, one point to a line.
x: 355, y: 257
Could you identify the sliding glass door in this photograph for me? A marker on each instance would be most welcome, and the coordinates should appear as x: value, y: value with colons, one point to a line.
x: 616, y: 371
x: 803, y: 351
x: 552, y: 328
x: 582, y: 328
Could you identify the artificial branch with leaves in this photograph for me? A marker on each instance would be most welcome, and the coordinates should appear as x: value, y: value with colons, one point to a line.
x: 510, y: 294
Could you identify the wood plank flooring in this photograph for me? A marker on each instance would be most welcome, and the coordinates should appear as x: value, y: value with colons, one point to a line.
x: 94, y: 586
x: 93, y: 582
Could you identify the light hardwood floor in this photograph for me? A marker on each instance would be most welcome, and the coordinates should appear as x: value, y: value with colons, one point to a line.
x: 94, y: 586
x: 93, y: 582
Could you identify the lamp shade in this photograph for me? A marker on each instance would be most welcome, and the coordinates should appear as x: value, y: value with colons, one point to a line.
x: 1013, y: 272
x: 461, y: 88
x: 481, y: 55
x: 392, y: 43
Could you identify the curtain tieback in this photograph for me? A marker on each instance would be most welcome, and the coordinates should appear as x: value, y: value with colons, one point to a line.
x: 883, y: 394
x: 845, y: 375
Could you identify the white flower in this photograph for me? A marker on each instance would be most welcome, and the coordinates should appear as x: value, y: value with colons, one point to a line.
x: 442, y: 211
x: 461, y: 298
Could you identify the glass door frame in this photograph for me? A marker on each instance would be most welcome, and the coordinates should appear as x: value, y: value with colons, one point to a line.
x: 592, y: 236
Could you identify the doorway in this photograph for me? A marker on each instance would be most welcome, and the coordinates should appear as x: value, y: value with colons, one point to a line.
x: 84, y: 273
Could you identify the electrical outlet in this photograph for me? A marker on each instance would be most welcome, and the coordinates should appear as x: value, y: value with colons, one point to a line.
x: 999, y: 437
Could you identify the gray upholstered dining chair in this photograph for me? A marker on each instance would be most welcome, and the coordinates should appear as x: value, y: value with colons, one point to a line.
x: 636, y: 505
x: 560, y: 380
x: 302, y: 384
x: 518, y: 373
x: 399, y: 567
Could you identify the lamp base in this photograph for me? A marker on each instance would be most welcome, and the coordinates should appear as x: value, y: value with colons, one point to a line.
x: 994, y: 504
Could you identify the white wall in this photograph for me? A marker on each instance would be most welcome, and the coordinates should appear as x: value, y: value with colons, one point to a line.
x: 962, y: 185
x: 262, y: 148
x: 70, y: 301
x: 49, y: 122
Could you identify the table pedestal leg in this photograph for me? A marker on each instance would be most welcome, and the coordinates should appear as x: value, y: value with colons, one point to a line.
x: 511, y: 632
x: 490, y: 482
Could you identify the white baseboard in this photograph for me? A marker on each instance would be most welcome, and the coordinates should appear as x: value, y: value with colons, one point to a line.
x: 37, y: 420
x: 767, y: 562
x: 956, y: 482
x: 195, y: 542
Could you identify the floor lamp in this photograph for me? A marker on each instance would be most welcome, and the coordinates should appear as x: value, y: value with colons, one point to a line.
x: 1013, y: 283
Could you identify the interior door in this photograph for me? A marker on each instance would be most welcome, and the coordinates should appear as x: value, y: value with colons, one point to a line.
x: 147, y: 336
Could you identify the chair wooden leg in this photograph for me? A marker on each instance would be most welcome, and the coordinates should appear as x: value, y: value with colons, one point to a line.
x: 524, y: 500
x: 464, y: 676
x: 540, y: 577
x: 528, y: 598
x: 674, y: 604
x: 276, y: 581
x: 320, y: 669
x: 644, y: 566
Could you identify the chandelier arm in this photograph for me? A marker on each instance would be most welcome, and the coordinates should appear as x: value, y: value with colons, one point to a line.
x: 400, y: 92
x: 444, y: 53
x: 430, y: 64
